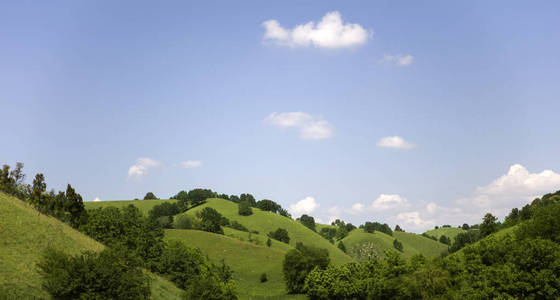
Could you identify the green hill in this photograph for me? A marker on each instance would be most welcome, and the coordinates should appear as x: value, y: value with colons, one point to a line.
x: 247, y: 260
x: 450, y: 232
x: 360, y: 244
x: 265, y: 222
x: 143, y: 205
x: 25, y: 234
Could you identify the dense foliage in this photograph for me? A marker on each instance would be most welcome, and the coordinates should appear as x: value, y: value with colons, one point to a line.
x: 371, y: 227
x: 281, y: 235
x: 299, y: 262
x: 307, y: 221
x: 103, y: 275
x: 244, y: 208
x: 150, y: 196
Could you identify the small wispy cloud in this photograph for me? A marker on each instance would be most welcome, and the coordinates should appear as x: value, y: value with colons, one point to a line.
x: 331, y: 32
x: 310, y: 127
x: 398, y: 59
x: 190, y: 164
x: 395, y: 142
x: 141, y: 167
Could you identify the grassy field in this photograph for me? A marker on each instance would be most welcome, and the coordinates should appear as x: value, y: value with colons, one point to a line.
x: 420, y: 244
x: 25, y: 234
x: 358, y: 243
x: 247, y: 260
x: 450, y: 232
x: 264, y: 222
x: 143, y: 205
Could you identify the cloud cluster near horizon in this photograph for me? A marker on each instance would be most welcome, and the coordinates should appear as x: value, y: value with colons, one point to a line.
x: 331, y: 32
x: 310, y: 127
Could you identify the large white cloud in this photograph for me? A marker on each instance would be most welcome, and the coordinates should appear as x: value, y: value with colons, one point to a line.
x: 306, y: 205
x: 310, y: 127
x: 330, y: 32
x: 398, y: 59
x: 413, y: 220
x: 190, y: 164
x: 142, y: 167
x: 395, y: 142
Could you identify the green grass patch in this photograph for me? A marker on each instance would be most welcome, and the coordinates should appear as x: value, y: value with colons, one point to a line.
x: 450, y: 232
x: 265, y: 222
x: 24, y: 236
x: 420, y: 244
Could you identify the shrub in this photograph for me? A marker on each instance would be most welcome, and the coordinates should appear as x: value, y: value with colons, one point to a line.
x: 244, y: 208
x: 263, y: 277
x: 186, y: 222
x: 268, y: 242
x: 238, y: 226
x: 280, y: 234
x: 341, y: 246
x: 210, y: 220
x: 104, y: 275
x: 398, y: 245
x: 150, y: 196
x: 299, y: 262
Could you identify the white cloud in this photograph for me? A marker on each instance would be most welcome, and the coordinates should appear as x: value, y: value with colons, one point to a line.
x: 387, y: 202
x: 357, y: 208
x: 515, y: 188
x: 330, y: 32
x: 395, y: 142
x: 398, y: 59
x: 96, y: 199
x: 142, y: 167
x: 190, y: 164
x: 304, y: 206
x: 310, y: 127
x: 413, y: 220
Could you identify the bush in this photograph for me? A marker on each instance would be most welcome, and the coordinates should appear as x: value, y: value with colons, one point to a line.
x: 268, y: 242
x: 299, y: 262
x: 398, y: 245
x: 186, y: 222
x: 164, y: 209
x: 307, y: 221
x: 238, y: 226
x: 104, y: 275
x: 281, y: 235
x: 150, y: 196
x: 263, y: 277
x: 341, y: 246
x: 244, y: 208
x: 210, y: 220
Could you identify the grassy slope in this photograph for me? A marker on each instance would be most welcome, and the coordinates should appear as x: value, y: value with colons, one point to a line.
x: 247, y: 260
x: 450, y: 232
x: 380, y: 242
x: 264, y: 222
x: 25, y: 234
x: 143, y: 205
x: 422, y: 245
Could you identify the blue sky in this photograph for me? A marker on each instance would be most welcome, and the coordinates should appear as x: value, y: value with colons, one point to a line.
x: 119, y: 99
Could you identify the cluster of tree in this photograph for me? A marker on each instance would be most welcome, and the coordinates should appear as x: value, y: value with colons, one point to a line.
x: 398, y: 228
x: 163, y: 213
x: 244, y: 208
x: 341, y: 231
x: 142, y: 238
x: 488, y: 226
x: 66, y: 206
x: 517, y: 215
x: 90, y: 275
x: 371, y: 227
x: 445, y: 240
x: 193, y: 198
x: 280, y: 234
x: 150, y: 196
x: 307, y: 221
x: 299, y: 262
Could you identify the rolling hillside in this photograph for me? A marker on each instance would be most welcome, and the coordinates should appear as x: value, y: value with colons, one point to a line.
x: 265, y: 222
x: 247, y: 260
x: 359, y: 244
x: 143, y: 205
x: 25, y: 234
x: 450, y: 232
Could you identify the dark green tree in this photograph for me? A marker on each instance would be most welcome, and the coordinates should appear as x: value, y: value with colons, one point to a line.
x: 281, y: 235
x: 398, y: 228
x: 268, y: 205
x: 150, y: 196
x: 341, y: 246
x: 307, y: 221
x: 199, y: 196
x: 398, y: 245
x: 299, y: 262
x: 244, y: 209
x: 210, y: 220
x: 249, y: 198
x: 488, y: 225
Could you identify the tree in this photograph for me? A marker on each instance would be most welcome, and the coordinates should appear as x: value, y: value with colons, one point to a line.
x: 268, y: 243
x: 210, y: 220
x: 299, y: 262
x: 38, y: 189
x: 263, y: 277
x: 398, y: 228
x: 164, y: 209
x: 307, y: 221
x: 328, y: 233
x: 244, y: 209
x: 150, y: 196
x: 284, y: 213
x: 465, y: 226
x: 488, y: 225
x: 268, y: 205
x: 341, y: 246
x: 281, y: 235
x: 249, y: 198
x: 444, y: 240
x: 104, y: 275
x: 74, y: 205
x: 199, y: 196
x: 398, y: 245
